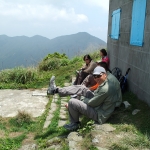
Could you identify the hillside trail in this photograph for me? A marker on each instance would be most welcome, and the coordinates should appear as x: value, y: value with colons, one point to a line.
x: 34, y: 102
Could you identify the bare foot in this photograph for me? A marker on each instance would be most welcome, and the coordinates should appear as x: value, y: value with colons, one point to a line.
x: 66, y: 105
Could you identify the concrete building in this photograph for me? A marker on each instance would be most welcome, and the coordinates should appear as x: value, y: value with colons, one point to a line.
x: 128, y: 43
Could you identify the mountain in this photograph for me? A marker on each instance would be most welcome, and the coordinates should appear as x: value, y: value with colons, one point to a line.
x: 28, y: 51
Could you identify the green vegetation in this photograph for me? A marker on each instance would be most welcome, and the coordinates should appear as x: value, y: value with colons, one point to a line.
x: 22, y: 119
x: 134, y: 130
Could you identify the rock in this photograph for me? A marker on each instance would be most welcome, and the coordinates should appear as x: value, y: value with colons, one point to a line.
x: 127, y: 105
x: 100, y: 148
x: 74, y: 141
x: 54, y: 147
x: 104, y: 127
x: 134, y: 112
x: 73, y: 136
x: 54, y: 140
x: 29, y: 147
x: 95, y: 140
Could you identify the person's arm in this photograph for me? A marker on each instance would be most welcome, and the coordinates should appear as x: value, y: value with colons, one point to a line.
x: 97, y: 100
x: 99, y: 95
x: 84, y: 67
x: 91, y: 67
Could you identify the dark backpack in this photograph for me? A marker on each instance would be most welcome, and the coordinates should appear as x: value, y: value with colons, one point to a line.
x: 123, y: 81
x: 117, y: 73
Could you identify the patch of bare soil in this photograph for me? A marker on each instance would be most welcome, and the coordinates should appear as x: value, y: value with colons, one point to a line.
x: 29, y: 139
x: 14, y: 134
x: 2, y: 134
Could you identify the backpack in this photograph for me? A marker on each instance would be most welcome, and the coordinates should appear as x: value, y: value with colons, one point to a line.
x: 123, y: 81
x: 117, y: 73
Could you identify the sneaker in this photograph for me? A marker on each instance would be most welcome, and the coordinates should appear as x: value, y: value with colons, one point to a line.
x: 72, y: 126
x: 52, y: 82
x: 52, y: 86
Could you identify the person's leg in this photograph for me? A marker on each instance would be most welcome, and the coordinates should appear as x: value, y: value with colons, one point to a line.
x: 75, y: 89
x: 70, y: 90
x: 75, y: 109
x: 89, y: 81
x: 76, y: 80
x: 82, y: 76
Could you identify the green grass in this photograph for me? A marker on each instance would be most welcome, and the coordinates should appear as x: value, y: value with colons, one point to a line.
x: 11, y: 143
x: 136, y: 126
x: 140, y: 121
x: 53, y: 131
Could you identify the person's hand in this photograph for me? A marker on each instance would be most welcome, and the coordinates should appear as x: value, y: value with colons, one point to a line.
x: 66, y: 105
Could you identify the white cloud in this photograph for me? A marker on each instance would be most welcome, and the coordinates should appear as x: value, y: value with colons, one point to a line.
x: 104, y: 4
x: 52, y: 18
x: 70, y: 15
x: 44, y: 12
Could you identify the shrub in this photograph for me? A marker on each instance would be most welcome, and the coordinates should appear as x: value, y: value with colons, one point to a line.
x: 49, y: 64
x: 55, y: 55
x: 64, y: 62
x: 53, y: 61
x: 76, y: 60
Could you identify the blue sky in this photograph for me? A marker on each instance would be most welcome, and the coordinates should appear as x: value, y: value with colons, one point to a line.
x: 52, y: 18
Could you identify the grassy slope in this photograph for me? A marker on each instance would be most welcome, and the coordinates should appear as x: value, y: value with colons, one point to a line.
x: 137, y: 127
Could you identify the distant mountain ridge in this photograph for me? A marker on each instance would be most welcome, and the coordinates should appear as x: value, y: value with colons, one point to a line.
x: 28, y: 51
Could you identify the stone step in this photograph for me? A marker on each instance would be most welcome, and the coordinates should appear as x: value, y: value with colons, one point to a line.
x: 50, y: 115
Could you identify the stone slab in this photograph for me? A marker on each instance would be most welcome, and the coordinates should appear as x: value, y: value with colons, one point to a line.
x: 30, y: 101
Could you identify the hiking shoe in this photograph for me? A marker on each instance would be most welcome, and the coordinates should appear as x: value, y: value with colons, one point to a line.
x: 72, y: 126
x: 52, y: 86
x: 52, y: 82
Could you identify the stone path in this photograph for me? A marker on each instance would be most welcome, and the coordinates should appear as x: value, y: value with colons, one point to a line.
x: 63, y: 112
x: 52, y: 109
x: 34, y: 102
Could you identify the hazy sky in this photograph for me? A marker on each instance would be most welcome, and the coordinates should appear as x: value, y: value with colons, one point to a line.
x: 52, y: 18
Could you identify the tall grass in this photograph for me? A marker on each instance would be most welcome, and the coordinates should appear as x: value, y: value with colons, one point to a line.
x: 18, y: 75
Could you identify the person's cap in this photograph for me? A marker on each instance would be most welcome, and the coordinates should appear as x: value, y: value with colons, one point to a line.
x: 98, y: 70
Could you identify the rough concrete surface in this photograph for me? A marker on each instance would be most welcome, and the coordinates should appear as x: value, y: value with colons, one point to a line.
x: 30, y: 101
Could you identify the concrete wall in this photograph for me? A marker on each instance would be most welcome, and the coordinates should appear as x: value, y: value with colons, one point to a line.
x: 124, y: 55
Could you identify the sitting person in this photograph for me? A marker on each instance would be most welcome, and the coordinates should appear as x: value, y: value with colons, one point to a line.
x: 89, y: 80
x: 85, y: 70
x: 97, y: 106
x: 104, y: 57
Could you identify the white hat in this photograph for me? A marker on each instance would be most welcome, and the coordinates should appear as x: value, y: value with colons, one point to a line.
x: 98, y: 70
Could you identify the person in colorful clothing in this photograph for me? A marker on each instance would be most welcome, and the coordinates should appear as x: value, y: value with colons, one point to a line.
x: 104, y: 57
